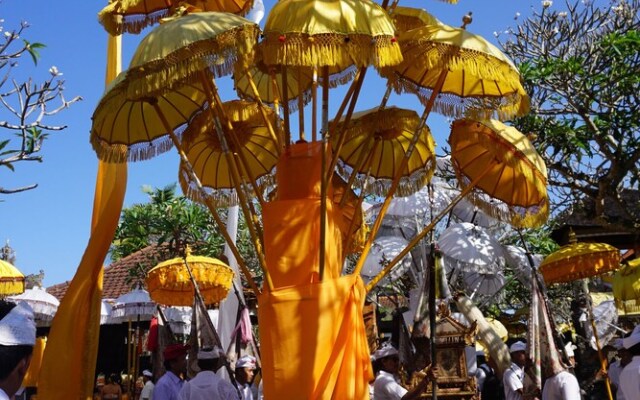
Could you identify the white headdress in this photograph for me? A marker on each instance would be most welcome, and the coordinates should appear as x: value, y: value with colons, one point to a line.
x: 18, y: 327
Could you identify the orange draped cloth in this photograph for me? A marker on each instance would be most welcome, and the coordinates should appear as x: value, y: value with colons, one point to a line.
x: 69, y: 361
x: 313, y: 339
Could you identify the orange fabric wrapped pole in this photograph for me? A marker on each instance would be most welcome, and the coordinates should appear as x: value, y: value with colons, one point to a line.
x: 69, y: 361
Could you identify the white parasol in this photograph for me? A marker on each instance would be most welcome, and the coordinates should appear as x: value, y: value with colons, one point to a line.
x: 517, y: 259
x: 43, y: 304
x: 484, y: 285
x: 178, y: 319
x: 470, y: 248
x: 132, y: 305
x: 383, y: 250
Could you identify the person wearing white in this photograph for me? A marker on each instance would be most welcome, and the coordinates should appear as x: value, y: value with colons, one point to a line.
x: 207, y: 385
x: 616, y: 367
x: 630, y: 375
x: 147, y: 390
x: 385, y: 386
x: 561, y: 386
x: 17, y: 338
x: 245, y: 368
x: 514, y: 376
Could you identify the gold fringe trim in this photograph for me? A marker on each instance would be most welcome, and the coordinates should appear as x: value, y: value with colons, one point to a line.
x: 628, y: 306
x: 116, y: 23
x: 218, y: 55
x: 330, y: 50
x: 388, y: 119
x: 452, y: 105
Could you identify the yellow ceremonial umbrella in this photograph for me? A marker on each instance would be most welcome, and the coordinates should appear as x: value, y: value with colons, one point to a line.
x: 626, y: 287
x: 169, y: 283
x: 134, y: 15
x: 377, y: 139
x: 207, y: 157
x: 479, y: 79
x: 11, y: 280
x: 408, y: 18
x: 508, y: 167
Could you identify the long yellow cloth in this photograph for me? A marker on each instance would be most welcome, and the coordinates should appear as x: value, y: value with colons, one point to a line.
x: 68, y: 366
x: 31, y: 377
x: 313, y: 341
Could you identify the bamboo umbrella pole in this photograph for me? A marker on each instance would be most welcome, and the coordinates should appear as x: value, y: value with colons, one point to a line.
x: 357, y: 83
x: 403, y: 164
x: 314, y: 104
x: 323, y: 181
x: 285, y: 105
x: 424, y: 231
x: 263, y: 111
x: 365, y: 156
x: 211, y: 206
x: 129, y: 355
x: 300, y: 107
x: 603, y: 362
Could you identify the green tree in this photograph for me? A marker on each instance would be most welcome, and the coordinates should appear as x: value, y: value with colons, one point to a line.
x: 173, y: 222
x: 581, y: 65
x: 26, y: 106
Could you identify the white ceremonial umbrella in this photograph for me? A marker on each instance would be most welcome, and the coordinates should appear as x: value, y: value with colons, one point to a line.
x: 605, y: 316
x: 517, y: 259
x: 383, y: 250
x: 132, y: 305
x: 105, y: 312
x: 484, y: 285
x: 179, y: 319
x: 467, y: 247
x: 43, y: 304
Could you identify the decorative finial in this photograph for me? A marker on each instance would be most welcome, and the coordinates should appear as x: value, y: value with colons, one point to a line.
x: 532, y: 136
x: 187, y: 251
x: 572, y: 237
x: 466, y: 20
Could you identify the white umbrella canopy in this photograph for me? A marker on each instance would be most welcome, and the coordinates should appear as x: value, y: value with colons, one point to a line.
x: 465, y: 211
x: 105, y: 312
x: 484, y: 285
x: 605, y: 316
x: 469, y: 248
x: 133, y: 305
x: 517, y: 259
x: 420, y: 203
x: 43, y: 304
x: 179, y: 319
x: 383, y: 250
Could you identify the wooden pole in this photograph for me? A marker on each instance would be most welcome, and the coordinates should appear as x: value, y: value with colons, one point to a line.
x: 323, y: 181
x: 263, y: 111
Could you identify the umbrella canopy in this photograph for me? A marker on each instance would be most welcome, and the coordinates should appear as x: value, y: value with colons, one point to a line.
x: 179, y: 319
x: 11, y: 280
x: 132, y: 16
x: 484, y: 285
x: 169, y: 282
x: 421, y: 204
x: 509, y: 169
x: 470, y: 248
x: 626, y: 287
x: 383, y: 250
x: 517, y: 259
x: 605, y: 316
x: 43, y: 304
x: 207, y: 157
x: 105, y: 313
x: 408, y: 18
x: 480, y: 79
x: 329, y: 33
x: 579, y: 260
x: 132, y: 305
x: 125, y: 129
x: 188, y: 45
x: 376, y: 142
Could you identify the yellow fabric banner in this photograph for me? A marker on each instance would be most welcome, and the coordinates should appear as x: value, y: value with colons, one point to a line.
x: 68, y: 365
x: 313, y: 341
x: 31, y: 378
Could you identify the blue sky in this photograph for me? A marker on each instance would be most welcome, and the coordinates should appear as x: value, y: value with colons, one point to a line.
x: 49, y: 227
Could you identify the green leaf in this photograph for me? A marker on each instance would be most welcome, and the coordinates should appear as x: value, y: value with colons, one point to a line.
x: 33, y: 48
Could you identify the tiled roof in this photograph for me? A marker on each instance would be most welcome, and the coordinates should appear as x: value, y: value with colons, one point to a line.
x: 115, y: 275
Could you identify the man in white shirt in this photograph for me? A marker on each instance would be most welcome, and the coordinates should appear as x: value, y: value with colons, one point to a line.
x: 207, y: 385
x: 245, y: 369
x: 147, y: 389
x: 630, y: 375
x: 513, y: 377
x: 561, y: 386
x: 385, y: 386
x: 17, y: 338
x: 624, y: 358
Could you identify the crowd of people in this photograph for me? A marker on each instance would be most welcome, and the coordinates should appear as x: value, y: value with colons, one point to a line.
x: 18, y: 336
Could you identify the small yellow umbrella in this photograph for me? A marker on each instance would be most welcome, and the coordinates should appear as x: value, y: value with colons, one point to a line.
x: 11, y: 280
x: 329, y: 33
x: 578, y: 261
x: 169, y: 282
x: 408, y: 18
x: 207, y: 157
x: 377, y: 140
x: 626, y: 287
x: 510, y: 168
x: 134, y: 15
x: 479, y: 81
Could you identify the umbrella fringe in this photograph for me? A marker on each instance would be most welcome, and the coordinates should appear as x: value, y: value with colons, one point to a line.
x: 331, y: 49
x: 218, y: 55
x: 452, y: 105
x: 392, y: 118
x: 341, y: 78
x: 116, y: 23
x: 628, y: 306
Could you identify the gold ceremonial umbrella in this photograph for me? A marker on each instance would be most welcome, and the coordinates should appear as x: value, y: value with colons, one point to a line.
x: 408, y: 18
x: 329, y: 33
x: 377, y: 140
x: 626, y: 287
x: 11, y: 280
x: 205, y: 153
x: 134, y: 15
x: 479, y: 81
x: 578, y: 261
x: 509, y: 166
x: 169, y: 283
